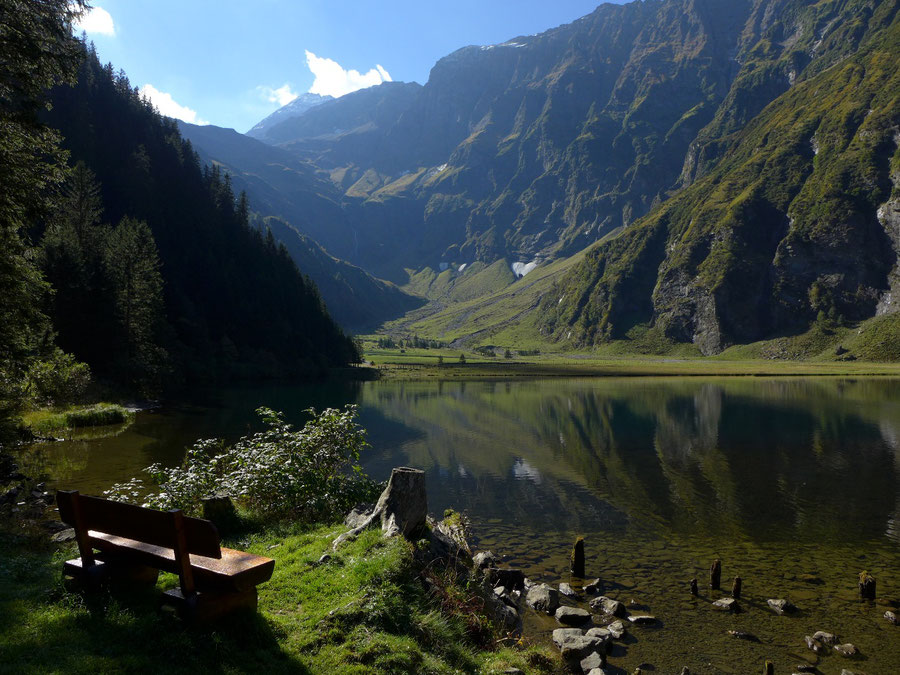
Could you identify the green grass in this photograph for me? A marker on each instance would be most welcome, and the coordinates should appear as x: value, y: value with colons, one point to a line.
x: 364, y: 611
x: 51, y: 420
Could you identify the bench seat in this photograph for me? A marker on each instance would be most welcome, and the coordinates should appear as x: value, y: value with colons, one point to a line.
x: 235, y: 571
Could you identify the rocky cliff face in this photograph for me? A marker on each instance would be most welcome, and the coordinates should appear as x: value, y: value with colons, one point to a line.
x: 795, y: 221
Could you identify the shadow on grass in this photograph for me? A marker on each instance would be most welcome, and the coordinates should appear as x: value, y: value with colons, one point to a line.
x: 44, y: 627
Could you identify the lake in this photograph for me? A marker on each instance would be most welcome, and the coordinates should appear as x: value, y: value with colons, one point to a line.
x: 793, y: 483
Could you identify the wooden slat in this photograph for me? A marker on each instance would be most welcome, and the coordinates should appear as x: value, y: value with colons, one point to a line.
x: 233, y: 571
x: 136, y: 522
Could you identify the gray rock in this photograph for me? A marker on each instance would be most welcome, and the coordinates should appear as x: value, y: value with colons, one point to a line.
x: 726, y: 605
x: 825, y: 638
x: 642, y: 619
x: 592, y: 587
x: 592, y: 661
x: 781, y: 606
x: 814, y: 644
x: 484, y: 559
x: 63, y: 536
x: 741, y: 635
x: 542, y: 598
x: 846, y: 649
x: 616, y: 629
x: 891, y: 617
x: 608, y: 606
x: 603, y: 633
x: 575, y: 648
x: 561, y: 635
x: 506, y: 616
x: 572, y: 616
x: 567, y: 590
x: 527, y: 584
x: 500, y: 590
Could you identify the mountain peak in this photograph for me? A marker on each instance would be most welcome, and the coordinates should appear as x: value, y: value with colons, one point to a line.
x: 295, y: 108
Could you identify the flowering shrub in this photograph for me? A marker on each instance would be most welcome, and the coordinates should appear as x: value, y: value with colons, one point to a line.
x: 311, y: 474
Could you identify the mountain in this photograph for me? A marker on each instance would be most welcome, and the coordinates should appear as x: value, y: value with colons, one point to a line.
x: 727, y: 164
x: 790, y: 220
x: 302, y: 209
x: 295, y: 108
x: 358, y: 301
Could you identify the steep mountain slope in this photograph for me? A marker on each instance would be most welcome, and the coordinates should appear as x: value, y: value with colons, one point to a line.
x: 358, y: 301
x: 295, y: 199
x: 798, y: 222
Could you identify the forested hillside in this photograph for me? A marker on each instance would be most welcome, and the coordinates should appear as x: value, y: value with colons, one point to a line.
x: 234, y: 302
x: 119, y: 255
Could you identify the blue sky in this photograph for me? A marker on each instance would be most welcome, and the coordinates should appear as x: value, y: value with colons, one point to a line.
x: 231, y: 63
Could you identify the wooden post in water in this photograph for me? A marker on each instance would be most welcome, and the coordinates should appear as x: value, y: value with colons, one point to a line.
x: 715, y: 575
x: 694, y: 589
x: 736, y: 588
x: 770, y: 668
x: 578, y: 558
x: 866, y: 586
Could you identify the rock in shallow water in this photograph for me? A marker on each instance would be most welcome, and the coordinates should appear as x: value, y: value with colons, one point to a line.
x: 567, y: 590
x: 592, y: 587
x: 572, y: 616
x: 814, y: 644
x: 608, y: 606
x: 825, y: 638
x: 781, y: 606
x: 616, y: 629
x: 542, y: 598
x: 484, y: 559
x: 846, y: 649
x: 642, y: 619
x: 726, y: 605
x: 891, y: 617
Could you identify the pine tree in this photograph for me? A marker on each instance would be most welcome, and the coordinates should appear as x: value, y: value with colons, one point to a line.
x: 36, y: 52
x: 132, y: 265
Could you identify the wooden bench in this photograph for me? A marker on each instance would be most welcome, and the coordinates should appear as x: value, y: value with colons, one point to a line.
x: 134, y: 543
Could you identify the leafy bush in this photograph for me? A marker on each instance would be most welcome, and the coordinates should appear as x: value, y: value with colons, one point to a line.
x: 311, y: 474
x: 58, y: 379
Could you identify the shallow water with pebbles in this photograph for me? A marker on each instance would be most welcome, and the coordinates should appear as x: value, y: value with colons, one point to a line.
x: 794, y: 483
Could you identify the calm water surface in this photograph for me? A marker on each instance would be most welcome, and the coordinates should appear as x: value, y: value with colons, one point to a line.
x: 794, y: 483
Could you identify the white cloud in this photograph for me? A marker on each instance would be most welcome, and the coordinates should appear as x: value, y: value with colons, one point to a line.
x: 333, y: 80
x: 96, y: 21
x: 282, y: 96
x: 169, y: 107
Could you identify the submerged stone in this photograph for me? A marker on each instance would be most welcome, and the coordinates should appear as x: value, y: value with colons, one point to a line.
x: 642, y: 619
x: 572, y: 616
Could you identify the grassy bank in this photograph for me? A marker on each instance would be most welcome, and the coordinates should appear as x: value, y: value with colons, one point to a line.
x: 364, y: 611
x: 54, y: 420
x: 424, y: 363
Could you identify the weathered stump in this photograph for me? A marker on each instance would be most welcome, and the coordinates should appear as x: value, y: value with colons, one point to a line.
x: 220, y: 510
x: 401, y: 509
x: 715, y: 575
x: 694, y: 589
x: 866, y: 586
x: 736, y: 588
x: 578, y: 558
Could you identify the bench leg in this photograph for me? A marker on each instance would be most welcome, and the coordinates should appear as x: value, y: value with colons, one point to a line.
x: 210, y: 605
x: 89, y: 578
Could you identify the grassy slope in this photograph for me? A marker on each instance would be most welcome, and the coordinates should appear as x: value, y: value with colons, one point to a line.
x: 362, y: 612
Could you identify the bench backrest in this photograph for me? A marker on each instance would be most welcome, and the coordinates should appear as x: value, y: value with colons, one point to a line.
x: 138, y: 523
